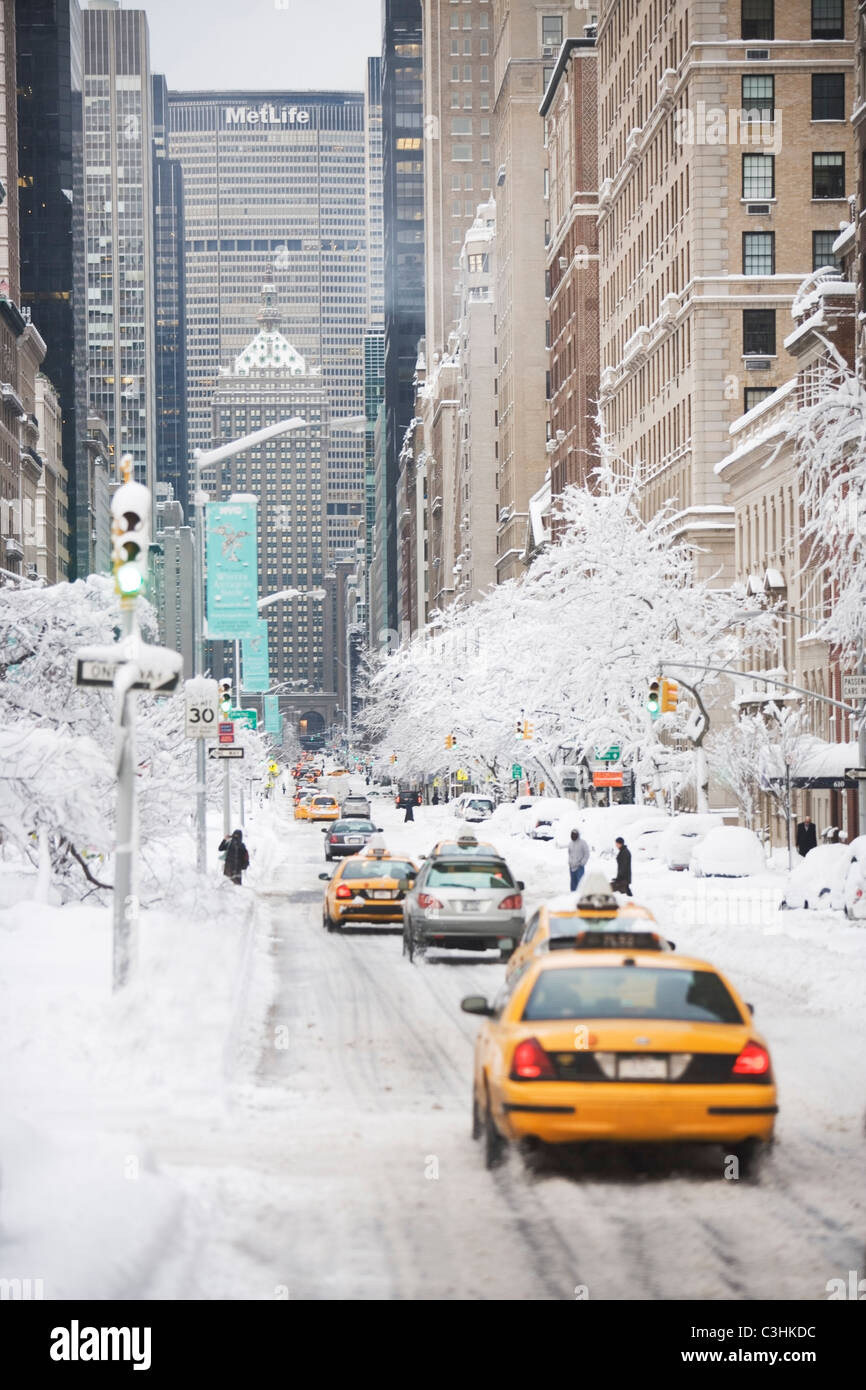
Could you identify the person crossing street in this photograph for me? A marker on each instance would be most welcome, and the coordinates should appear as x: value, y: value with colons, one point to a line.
x: 578, y: 855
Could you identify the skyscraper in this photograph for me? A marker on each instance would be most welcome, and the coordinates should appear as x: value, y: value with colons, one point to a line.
x: 373, y: 179
x: 275, y: 191
x: 170, y: 306
x: 403, y: 203
x: 51, y: 216
x: 270, y: 381
x: 118, y: 171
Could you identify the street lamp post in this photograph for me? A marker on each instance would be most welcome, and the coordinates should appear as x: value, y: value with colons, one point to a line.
x: 206, y: 459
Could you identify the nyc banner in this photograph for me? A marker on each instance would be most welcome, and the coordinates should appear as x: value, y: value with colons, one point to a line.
x: 273, y: 718
x: 254, y: 650
x: 232, y: 569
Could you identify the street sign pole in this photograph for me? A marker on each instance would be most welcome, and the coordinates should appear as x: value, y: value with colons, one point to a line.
x: 125, y: 901
x: 200, y: 752
x: 861, y: 746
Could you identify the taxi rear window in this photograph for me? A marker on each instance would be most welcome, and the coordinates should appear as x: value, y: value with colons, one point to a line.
x: 570, y: 926
x: 378, y: 868
x: 624, y: 991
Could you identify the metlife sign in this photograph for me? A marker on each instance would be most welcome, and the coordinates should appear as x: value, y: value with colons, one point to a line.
x: 265, y: 115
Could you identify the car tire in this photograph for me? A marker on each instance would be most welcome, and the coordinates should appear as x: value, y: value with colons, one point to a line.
x: 477, y: 1122
x: 328, y: 922
x: 751, y: 1156
x: 505, y: 953
x: 408, y: 944
x: 494, y: 1144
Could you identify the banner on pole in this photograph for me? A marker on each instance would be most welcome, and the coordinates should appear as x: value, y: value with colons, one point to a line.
x: 254, y: 653
x: 273, y: 718
x: 232, y: 569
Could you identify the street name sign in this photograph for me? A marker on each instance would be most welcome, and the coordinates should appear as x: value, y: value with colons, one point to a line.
x: 229, y: 752
x: 245, y: 716
x: 202, y: 707
x: 516, y: 772
x: 609, y: 755
x: 854, y: 687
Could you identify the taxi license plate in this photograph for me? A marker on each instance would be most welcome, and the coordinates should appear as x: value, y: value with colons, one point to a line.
x: 642, y: 1069
x: 382, y: 893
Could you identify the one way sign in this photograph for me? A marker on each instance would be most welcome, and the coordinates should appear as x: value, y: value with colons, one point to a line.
x: 158, y: 668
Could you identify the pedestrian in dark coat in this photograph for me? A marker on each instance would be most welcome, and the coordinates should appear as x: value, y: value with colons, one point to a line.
x: 408, y: 802
x: 237, y: 858
x: 807, y: 836
x: 622, y: 882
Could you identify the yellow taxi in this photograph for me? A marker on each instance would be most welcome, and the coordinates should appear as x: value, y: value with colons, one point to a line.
x: 627, y: 1044
x: 321, y: 806
x: 302, y: 805
x: 367, y: 887
x: 555, y: 925
x: 465, y: 844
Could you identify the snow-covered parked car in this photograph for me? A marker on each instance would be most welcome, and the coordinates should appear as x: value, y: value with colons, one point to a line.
x: 729, y: 851
x: 644, y: 838
x: 680, y: 836
x: 818, y: 880
x: 854, y: 888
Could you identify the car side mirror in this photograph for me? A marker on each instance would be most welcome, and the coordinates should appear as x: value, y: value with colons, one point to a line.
x: 326, y: 877
x: 672, y: 944
x: 750, y: 1007
x: 324, y: 829
x: 404, y: 884
x: 476, y: 1004
x: 379, y: 829
x: 521, y: 885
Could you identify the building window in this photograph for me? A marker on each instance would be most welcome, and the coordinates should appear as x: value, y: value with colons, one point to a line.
x: 759, y: 97
x: 759, y: 332
x: 828, y: 19
x: 546, y: 73
x: 455, y: 72
x: 467, y: 72
x: 461, y: 125
x: 758, y: 253
x: 753, y: 394
x: 461, y: 152
x: 757, y: 19
x: 828, y: 175
x: 758, y: 177
x: 828, y: 96
x: 485, y: 73
x: 822, y: 249
x: 551, y: 30
x: 467, y: 48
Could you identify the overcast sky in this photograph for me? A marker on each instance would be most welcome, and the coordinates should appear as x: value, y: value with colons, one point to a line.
x: 288, y: 44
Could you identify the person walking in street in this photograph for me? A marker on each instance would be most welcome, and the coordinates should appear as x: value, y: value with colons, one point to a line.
x: 622, y: 882
x: 408, y: 802
x: 578, y: 854
x: 237, y: 858
x: 807, y: 836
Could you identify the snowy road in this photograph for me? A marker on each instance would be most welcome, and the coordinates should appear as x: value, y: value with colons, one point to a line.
x: 346, y: 1168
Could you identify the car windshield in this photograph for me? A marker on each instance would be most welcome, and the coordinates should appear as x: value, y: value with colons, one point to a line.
x: 353, y: 827
x: 465, y: 875
x: 616, y: 991
x: 378, y: 868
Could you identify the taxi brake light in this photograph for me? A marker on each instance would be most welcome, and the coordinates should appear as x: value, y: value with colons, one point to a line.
x: 427, y: 900
x: 511, y: 903
x: 344, y: 891
x: 752, y: 1061
x: 531, y: 1063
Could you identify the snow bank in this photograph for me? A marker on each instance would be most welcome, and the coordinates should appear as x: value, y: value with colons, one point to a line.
x: 88, y: 1072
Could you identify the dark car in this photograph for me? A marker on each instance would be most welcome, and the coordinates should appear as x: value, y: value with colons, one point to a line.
x: 348, y: 836
x: 356, y: 807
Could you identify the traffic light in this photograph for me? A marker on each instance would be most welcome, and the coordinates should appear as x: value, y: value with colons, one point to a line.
x: 654, y: 704
x: 130, y: 538
x: 670, y: 696
x: 450, y: 740
x: 225, y: 697
x: 528, y: 729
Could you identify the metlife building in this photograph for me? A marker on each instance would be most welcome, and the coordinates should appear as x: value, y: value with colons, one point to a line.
x: 275, y: 193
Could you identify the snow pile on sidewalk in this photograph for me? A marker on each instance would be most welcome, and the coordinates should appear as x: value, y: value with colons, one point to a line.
x: 86, y: 1071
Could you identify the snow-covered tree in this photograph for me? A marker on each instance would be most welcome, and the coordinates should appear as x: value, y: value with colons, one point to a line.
x: 572, y: 647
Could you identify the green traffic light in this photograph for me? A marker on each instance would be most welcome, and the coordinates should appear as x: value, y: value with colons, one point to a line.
x: 129, y: 579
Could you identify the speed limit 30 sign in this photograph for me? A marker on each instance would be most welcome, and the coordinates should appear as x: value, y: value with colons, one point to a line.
x: 202, y: 707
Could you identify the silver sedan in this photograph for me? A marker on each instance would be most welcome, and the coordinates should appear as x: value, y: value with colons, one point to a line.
x: 468, y: 904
